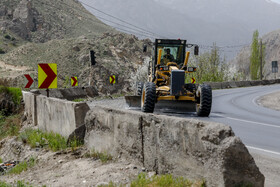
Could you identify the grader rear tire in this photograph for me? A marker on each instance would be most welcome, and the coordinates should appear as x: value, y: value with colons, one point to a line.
x: 204, y: 93
x: 148, y: 98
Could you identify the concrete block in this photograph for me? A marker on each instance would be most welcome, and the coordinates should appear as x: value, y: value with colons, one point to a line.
x: 225, y: 85
x: 184, y: 147
x: 232, y: 84
x: 30, y: 107
x: 255, y: 83
x: 91, y: 91
x: 272, y: 81
x: 265, y: 82
x: 55, y: 93
x: 59, y: 116
x: 118, y: 133
x: 73, y: 93
x: 246, y: 83
x: 239, y: 84
x: 214, y: 85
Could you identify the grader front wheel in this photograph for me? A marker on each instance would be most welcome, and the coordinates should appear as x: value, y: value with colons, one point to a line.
x: 204, y: 95
x: 148, y: 98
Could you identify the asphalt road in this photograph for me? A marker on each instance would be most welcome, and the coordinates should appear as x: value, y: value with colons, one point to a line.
x: 257, y: 126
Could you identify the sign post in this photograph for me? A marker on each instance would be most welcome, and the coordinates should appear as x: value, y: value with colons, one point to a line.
x: 274, y: 67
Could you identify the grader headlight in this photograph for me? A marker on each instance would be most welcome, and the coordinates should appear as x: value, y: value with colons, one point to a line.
x: 191, y: 69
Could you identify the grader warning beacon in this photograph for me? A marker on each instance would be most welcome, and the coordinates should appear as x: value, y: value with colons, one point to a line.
x: 166, y: 86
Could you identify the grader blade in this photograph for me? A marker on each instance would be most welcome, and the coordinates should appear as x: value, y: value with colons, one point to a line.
x: 133, y: 101
x: 176, y: 106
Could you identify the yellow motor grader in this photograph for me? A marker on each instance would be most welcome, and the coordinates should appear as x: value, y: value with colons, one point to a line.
x: 166, y: 86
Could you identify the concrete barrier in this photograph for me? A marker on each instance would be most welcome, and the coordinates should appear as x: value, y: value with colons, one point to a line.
x: 30, y: 111
x: 183, y: 147
x: 235, y: 84
x: 70, y: 93
x: 56, y: 115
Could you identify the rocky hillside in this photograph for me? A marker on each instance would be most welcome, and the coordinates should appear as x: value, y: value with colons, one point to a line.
x: 272, y: 43
x: 63, y: 32
x: 116, y: 54
x: 41, y: 21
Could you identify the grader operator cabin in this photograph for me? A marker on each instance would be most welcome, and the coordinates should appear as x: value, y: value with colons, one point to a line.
x: 166, y: 87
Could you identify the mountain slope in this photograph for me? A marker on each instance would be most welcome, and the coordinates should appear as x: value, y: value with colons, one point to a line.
x: 63, y: 32
x: 230, y: 22
x: 41, y: 21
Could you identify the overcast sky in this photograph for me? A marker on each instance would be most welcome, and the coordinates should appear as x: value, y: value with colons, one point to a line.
x: 277, y: 1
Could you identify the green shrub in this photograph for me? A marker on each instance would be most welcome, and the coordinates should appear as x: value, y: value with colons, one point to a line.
x: 18, y: 184
x: 75, y: 143
x: 164, y: 181
x: 37, y: 138
x: 9, y: 126
x: 161, y: 181
x: 79, y: 100
x: 22, y: 166
x: 2, y: 51
x: 14, y: 92
x: 7, y: 36
x: 103, y: 156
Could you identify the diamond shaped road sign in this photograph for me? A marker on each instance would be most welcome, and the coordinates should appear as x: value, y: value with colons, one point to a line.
x: 47, y: 75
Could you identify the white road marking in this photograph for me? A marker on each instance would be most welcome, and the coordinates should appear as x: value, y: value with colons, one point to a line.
x: 263, y: 150
x: 246, y: 121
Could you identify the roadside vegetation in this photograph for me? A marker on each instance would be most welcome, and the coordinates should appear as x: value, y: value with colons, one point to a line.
x: 52, y: 141
x: 103, y: 156
x: 17, y: 184
x: 257, y: 54
x: 22, y: 166
x: 10, y: 110
x: 211, y: 67
x: 15, y: 93
x: 160, y: 181
x: 9, y: 126
x: 79, y: 100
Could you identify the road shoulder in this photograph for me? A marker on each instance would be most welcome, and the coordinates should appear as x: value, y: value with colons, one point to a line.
x: 271, y: 101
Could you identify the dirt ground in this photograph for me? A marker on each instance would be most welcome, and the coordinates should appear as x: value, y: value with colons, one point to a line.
x: 271, y: 101
x: 67, y: 168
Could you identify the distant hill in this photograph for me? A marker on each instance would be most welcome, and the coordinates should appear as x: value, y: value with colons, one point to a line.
x: 226, y: 22
x: 272, y: 43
